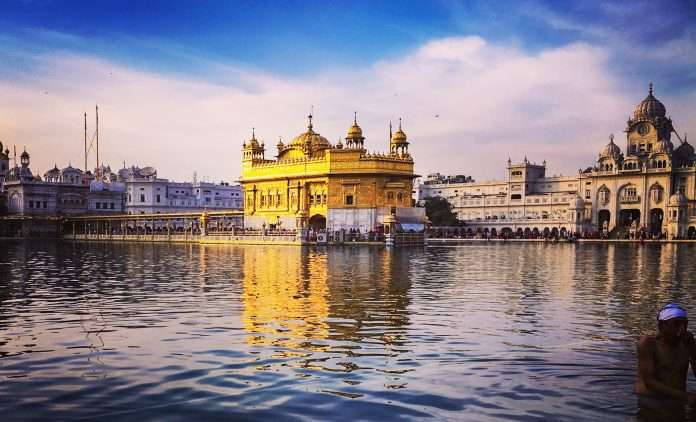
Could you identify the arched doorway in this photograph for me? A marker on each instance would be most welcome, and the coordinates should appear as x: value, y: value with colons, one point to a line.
x: 554, y: 232
x: 494, y: 232
x: 317, y: 222
x: 656, y: 218
x: 527, y: 233
x: 691, y: 233
x: 519, y: 232
x: 603, y: 220
x: 629, y: 217
x: 535, y: 232
x: 506, y: 232
x: 547, y: 232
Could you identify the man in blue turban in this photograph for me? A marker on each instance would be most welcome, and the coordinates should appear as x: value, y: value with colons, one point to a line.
x: 663, y: 359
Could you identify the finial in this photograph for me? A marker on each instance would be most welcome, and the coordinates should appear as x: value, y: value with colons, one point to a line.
x: 611, y: 138
x: 651, y: 88
x: 253, y: 133
x: 399, y: 123
x: 309, y: 126
x: 355, y: 117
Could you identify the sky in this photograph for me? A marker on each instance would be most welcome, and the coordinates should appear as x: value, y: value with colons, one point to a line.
x: 181, y: 84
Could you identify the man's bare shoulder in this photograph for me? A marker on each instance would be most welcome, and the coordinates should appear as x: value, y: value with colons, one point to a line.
x: 647, y: 342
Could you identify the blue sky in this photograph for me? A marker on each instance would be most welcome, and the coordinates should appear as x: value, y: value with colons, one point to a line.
x: 251, y: 48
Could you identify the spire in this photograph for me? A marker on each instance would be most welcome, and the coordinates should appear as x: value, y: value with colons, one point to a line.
x: 253, y: 133
x: 399, y: 123
x: 355, y: 117
x: 650, y: 90
x: 390, y: 129
x: 611, y: 138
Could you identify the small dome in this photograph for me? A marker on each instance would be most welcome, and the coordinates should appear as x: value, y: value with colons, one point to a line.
x: 25, y: 154
x: 684, y: 151
x: 355, y: 131
x: 124, y: 173
x: 650, y: 107
x: 71, y: 169
x: 253, y: 142
x: 611, y: 150
x: 399, y: 136
x: 677, y: 200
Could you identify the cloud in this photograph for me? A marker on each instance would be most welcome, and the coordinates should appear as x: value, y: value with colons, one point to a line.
x: 467, y: 105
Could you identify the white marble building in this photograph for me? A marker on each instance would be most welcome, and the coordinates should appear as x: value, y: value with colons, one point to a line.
x: 650, y: 190
x: 148, y: 194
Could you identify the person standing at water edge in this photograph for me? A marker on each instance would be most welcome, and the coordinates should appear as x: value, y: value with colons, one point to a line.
x: 663, y: 360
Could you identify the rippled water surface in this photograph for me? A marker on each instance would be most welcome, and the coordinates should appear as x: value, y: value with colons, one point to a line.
x: 182, y: 332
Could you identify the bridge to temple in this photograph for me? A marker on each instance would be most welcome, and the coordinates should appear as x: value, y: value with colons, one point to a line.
x: 187, y: 223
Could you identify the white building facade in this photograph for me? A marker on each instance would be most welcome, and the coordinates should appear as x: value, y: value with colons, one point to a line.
x: 648, y: 191
x: 148, y: 194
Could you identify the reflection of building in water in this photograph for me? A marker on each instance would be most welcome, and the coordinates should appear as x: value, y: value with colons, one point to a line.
x: 314, y: 183
x: 293, y: 296
x: 651, y: 187
x: 285, y: 295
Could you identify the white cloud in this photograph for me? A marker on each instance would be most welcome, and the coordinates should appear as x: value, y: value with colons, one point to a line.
x: 467, y: 105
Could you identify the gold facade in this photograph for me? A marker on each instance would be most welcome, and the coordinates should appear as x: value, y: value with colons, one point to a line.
x: 313, y: 183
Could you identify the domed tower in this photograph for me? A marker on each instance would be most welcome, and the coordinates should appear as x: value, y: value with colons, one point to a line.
x: 280, y: 145
x: 252, y: 150
x: 610, y: 157
x: 24, y: 159
x: 399, y: 143
x: 310, y: 142
x: 355, y: 138
x: 649, y: 130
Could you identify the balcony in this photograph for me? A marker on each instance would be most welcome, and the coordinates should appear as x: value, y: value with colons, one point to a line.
x: 629, y: 199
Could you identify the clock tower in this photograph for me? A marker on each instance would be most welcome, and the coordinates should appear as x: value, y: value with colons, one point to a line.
x: 649, y: 130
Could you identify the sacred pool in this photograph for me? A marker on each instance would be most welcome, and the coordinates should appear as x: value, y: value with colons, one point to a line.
x: 517, y: 331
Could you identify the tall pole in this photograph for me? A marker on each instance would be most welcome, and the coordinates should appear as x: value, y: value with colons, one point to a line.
x: 85, y: 142
x: 97, y: 173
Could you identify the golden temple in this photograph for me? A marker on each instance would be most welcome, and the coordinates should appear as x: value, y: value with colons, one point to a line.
x: 314, y: 184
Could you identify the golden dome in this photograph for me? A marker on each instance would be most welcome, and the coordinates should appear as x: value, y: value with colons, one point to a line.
x: 253, y: 142
x: 310, y: 139
x: 399, y: 137
x: 355, y: 132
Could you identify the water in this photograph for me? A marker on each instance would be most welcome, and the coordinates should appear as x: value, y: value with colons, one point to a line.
x: 180, y: 332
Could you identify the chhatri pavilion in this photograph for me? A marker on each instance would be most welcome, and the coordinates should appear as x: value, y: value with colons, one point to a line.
x: 315, y: 184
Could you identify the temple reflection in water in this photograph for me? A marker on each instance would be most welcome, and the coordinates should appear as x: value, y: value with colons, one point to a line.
x: 291, y: 299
